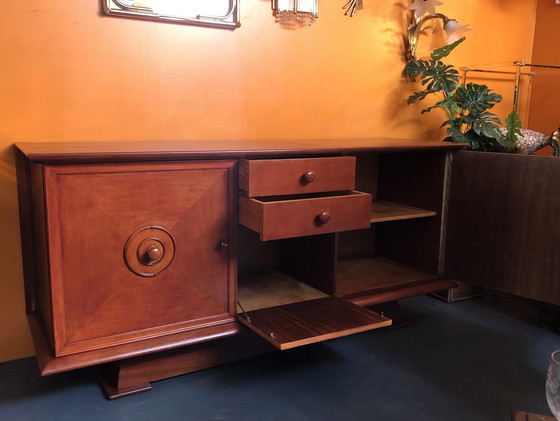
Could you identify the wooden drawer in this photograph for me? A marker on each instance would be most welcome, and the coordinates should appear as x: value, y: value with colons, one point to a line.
x: 286, y: 217
x: 272, y: 177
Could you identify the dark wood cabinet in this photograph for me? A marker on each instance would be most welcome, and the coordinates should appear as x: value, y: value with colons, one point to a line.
x: 147, y: 260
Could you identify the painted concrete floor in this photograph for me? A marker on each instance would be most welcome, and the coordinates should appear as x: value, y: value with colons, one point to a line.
x: 478, y: 360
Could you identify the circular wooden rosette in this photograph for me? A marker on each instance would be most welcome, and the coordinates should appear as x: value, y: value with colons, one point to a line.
x: 149, y: 251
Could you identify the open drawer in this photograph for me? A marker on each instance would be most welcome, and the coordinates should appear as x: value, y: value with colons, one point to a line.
x: 306, y: 322
x: 273, y: 177
x: 296, y: 216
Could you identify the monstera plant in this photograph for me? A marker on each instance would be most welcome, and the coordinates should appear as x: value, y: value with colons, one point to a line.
x: 466, y: 105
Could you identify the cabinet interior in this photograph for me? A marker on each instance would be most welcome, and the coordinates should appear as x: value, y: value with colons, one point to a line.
x: 400, y: 249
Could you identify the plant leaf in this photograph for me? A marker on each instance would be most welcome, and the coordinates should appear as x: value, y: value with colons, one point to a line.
x: 442, y: 52
x: 484, y: 124
x: 513, y: 124
x: 476, y: 98
x: 436, y: 75
x: 483, y: 143
x: 418, y: 96
x: 448, y: 103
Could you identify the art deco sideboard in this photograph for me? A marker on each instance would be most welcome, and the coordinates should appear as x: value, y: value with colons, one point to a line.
x: 153, y: 259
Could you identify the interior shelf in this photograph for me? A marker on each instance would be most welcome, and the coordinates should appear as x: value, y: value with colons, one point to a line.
x: 271, y: 288
x: 382, y: 211
x: 374, y: 273
x: 376, y: 280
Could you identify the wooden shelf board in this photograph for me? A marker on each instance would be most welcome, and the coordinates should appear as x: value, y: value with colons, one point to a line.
x: 383, y: 211
x: 271, y: 288
x: 373, y: 273
x: 292, y: 325
x: 391, y: 294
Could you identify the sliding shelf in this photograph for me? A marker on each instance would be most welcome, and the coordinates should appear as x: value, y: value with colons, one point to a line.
x: 383, y: 211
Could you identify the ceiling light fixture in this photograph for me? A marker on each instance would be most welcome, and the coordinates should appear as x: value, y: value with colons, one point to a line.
x: 295, y: 11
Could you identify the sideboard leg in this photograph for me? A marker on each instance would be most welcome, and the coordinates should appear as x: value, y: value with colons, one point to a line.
x: 392, y: 309
x: 109, y: 376
x: 134, y: 375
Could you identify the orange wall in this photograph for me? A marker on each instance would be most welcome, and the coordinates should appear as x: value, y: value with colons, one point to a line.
x: 70, y: 73
x: 545, y: 93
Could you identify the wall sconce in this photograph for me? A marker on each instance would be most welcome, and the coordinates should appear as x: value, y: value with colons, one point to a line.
x: 423, y: 12
x: 414, y: 30
x: 295, y: 11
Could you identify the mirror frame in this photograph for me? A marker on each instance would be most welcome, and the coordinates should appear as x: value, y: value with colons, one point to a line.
x: 128, y: 8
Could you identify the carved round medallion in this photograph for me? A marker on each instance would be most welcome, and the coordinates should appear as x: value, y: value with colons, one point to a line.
x: 149, y: 251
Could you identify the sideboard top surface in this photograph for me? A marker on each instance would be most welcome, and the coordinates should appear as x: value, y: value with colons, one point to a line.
x: 67, y: 152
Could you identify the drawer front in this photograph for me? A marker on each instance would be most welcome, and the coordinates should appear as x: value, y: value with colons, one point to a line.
x: 276, y: 219
x: 272, y: 177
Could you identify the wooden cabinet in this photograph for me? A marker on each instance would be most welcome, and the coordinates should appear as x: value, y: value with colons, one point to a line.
x: 132, y: 251
x: 129, y: 252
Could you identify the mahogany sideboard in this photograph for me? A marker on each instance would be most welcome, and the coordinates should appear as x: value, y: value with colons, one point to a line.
x: 153, y: 259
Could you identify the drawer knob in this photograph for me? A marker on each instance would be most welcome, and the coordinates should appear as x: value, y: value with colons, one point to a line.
x: 308, y: 177
x: 323, y: 218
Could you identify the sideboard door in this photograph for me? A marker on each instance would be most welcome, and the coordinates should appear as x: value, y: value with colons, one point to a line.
x: 139, y: 250
x: 503, y: 224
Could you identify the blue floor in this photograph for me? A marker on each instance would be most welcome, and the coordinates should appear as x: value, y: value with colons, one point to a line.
x: 478, y: 360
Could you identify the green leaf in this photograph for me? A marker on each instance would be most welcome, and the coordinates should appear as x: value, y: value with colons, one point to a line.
x: 484, y: 124
x: 454, y: 130
x: 476, y: 98
x: 483, y: 143
x: 448, y: 103
x: 442, y: 52
x: 418, y: 96
x: 487, y: 129
x: 436, y: 75
x: 513, y: 124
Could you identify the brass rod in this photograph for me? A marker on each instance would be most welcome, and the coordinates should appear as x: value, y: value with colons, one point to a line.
x: 544, y: 66
x: 496, y: 71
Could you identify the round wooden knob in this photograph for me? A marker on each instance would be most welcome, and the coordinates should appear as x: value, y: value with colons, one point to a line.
x: 153, y: 253
x: 324, y: 217
x: 309, y: 177
x: 150, y: 252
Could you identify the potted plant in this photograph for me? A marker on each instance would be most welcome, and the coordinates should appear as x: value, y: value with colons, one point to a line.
x: 467, y: 106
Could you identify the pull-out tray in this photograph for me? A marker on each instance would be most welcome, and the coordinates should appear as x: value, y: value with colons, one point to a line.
x: 306, y: 322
